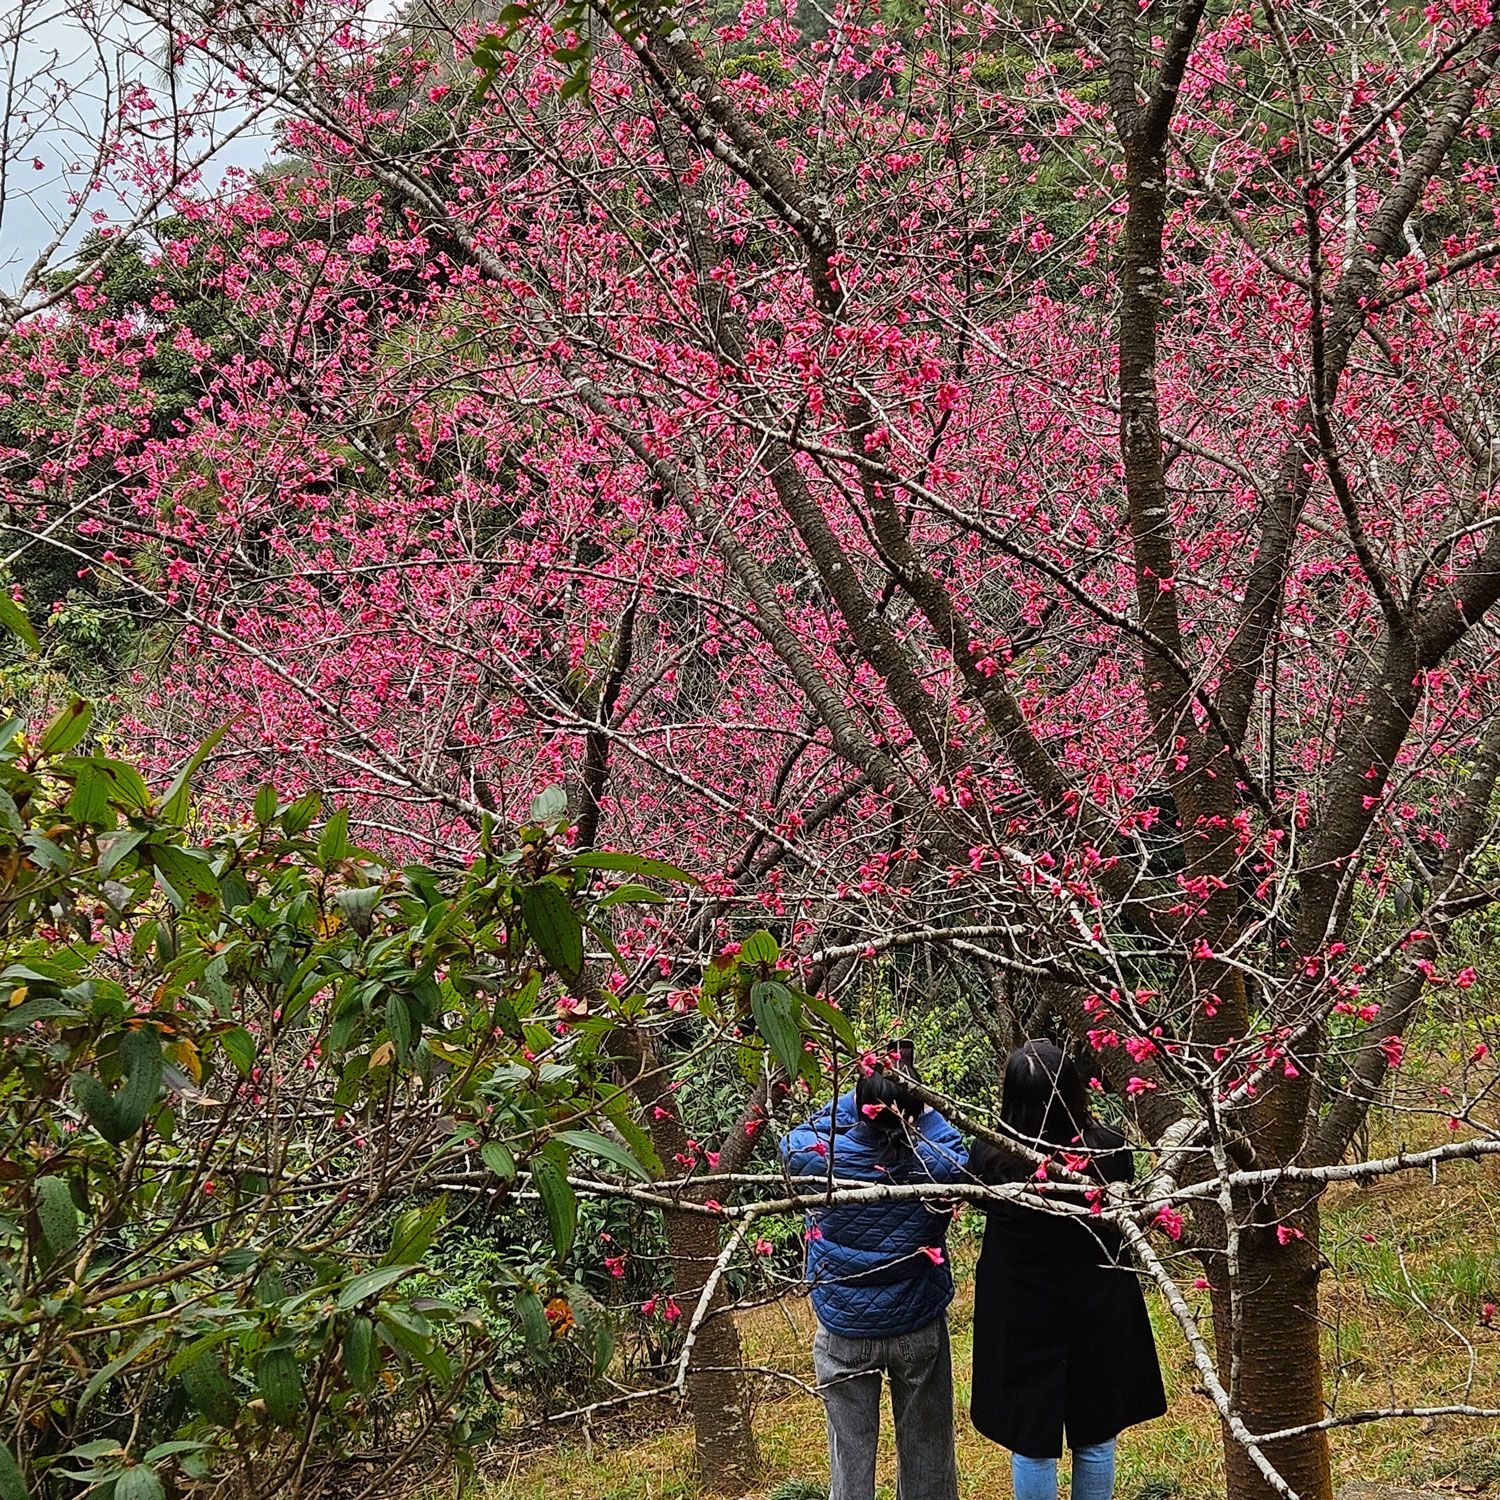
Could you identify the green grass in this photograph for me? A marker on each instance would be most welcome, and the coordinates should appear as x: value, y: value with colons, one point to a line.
x: 800, y: 1489
x: 1476, y: 1466
x: 1153, y: 1487
x: 1392, y: 1304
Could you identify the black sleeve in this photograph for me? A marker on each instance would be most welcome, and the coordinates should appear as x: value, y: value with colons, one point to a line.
x: 990, y: 1165
x: 1112, y: 1160
x: 983, y: 1162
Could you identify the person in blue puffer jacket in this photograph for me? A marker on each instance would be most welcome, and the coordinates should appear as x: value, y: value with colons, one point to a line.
x: 880, y: 1286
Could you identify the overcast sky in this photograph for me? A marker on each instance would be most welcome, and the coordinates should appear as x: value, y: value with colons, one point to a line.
x: 65, y: 64
x: 63, y: 67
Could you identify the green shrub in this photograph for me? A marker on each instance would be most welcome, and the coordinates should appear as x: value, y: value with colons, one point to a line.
x: 232, y: 1078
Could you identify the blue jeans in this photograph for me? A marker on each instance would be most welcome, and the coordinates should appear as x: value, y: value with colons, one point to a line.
x: 1093, y: 1474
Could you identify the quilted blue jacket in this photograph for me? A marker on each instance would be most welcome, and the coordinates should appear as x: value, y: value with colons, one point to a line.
x: 867, y: 1264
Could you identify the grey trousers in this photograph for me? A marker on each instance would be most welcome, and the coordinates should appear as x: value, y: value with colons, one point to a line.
x: 921, y: 1374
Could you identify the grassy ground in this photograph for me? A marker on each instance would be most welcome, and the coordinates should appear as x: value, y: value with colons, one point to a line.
x: 1411, y: 1267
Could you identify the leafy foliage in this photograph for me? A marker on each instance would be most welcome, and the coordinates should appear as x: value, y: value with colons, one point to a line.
x: 229, y: 1072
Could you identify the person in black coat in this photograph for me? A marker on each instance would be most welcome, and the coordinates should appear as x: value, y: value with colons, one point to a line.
x: 1062, y: 1341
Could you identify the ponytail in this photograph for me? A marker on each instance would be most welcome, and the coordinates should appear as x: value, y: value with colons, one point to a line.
x: 887, y: 1106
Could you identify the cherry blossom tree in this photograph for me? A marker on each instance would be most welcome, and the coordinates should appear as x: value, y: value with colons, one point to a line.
x: 1005, y: 480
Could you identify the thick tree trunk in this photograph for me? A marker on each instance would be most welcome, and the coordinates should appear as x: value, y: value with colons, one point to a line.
x: 728, y: 1460
x: 1281, y: 1364
x: 724, y: 1446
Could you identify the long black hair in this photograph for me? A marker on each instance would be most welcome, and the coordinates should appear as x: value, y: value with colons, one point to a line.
x: 1044, y: 1102
x: 1043, y: 1106
x: 894, y: 1108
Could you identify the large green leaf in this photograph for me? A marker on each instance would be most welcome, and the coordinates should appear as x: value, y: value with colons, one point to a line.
x: 298, y: 817
x: 414, y: 1233
x: 760, y: 948
x: 174, y: 804
x: 98, y: 1106
x: 629, y: 864
x: 372, y: 1282
x: 140, y: 1482
x: 239, y: 1047
x: 399, y: 1025
x: 13, y: 618
x: 117, y: 848
x: 412, y: 1334
x: 333, y: 842
x: 103, y: 1377
x: 619, y: 1110
x: 497, y: 1156
x: 89, y: 803
x: 594, y: 1144
x: 67, y: 728
x: 596, y: 1326
x: 140, y: 1057
x: 549, y: 804
x: 158, y: 1451
x: 279, y: 1381
x: 45, y: 853
x: 12, y: 1484
x: 775, y: 1010
x: 58, y: 1216
x: 184, y: 874
x: 210, y: 1390
x: 534, y: 1326
x: 118, y: 1116
x: 631, y: 894
x: 361, y: 1358
x: 29, y: 1012
x: 554, y: 927
x: 265, y: 805
x: 558, y: 1199
x: 834, y: 1019
x: 129, y: 786
x: 357, y: 906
